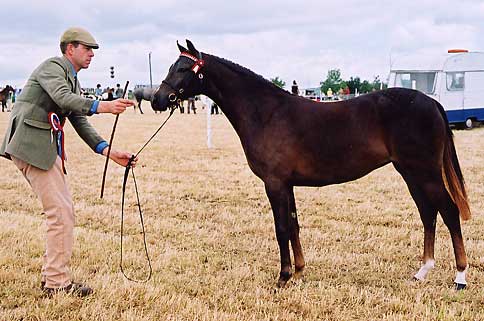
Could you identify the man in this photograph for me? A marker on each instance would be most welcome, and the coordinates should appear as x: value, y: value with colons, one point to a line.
x: 119, y: 91
x: 99, y: 92
x: 191, y: 105
x: 34, y: 142
x: 294, y: 88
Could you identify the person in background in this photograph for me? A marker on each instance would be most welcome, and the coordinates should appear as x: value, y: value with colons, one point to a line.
x: 110, y: 94
x: 294, y: 88
x: 119, y: 91
x: 214, y: 109
x: 191, y: 105
x: 34, y: 141
x: 98, y: 92
x: 346, y: 91
x: 14, y: 97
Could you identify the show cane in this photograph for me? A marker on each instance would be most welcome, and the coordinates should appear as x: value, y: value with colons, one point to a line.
x: 110, y: 144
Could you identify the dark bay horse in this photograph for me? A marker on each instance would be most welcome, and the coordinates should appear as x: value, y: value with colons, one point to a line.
x: 4, y: 93
x: 292, y: 141
x: 143, y: 93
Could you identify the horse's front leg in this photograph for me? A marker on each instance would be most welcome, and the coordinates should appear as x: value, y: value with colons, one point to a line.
x: 278, y: 195
x: 294, y: 237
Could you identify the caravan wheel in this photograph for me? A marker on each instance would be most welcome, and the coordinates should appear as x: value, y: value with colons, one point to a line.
x: 469, y: 123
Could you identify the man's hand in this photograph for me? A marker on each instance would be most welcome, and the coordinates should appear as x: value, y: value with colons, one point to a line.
x: 122, y: 158
x: 115, y: 107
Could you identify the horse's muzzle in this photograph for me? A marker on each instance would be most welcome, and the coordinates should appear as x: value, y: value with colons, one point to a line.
x: 159, y: 102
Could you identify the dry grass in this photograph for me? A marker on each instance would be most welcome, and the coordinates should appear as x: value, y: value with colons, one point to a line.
x: 212, y: 241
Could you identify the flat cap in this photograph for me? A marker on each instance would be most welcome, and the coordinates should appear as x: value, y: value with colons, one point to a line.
x: 79, y: 35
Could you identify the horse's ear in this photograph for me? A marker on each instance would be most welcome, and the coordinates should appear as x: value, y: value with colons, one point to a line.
x: 192, y: 49
x: 180, y: 47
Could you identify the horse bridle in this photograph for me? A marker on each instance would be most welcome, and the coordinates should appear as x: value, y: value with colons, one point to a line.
x: 198, y: 64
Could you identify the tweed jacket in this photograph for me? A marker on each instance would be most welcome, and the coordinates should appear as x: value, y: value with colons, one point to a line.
x: 52, y: 87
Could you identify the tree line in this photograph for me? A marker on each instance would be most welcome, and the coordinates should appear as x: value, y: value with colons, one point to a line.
x: 335, y: 82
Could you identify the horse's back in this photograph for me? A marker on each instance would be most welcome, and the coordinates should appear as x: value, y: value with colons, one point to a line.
x: 327, y: 143
x: 143, y: 93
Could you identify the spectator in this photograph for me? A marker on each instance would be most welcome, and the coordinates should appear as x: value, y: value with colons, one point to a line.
x: 13, y: 97
x: 119, y: 91
x: 191, y: 105
x: 214, y: 108
x: 110, y: 94
x: 346, y: 91
x: 294, y: 88
x: 99, y: 92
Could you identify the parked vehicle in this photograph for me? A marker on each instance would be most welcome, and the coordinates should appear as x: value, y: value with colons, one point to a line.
x: 455, y: 79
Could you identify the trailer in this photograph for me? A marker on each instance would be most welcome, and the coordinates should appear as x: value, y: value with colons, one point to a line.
x: 455, y: 79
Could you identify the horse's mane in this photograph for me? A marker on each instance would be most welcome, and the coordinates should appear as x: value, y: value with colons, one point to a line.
x: 245, y: 71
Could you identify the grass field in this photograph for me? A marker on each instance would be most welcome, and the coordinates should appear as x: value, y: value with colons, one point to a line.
x: 212, y: 242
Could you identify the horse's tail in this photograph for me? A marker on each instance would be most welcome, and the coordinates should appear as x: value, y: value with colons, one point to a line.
x: 452, y: 174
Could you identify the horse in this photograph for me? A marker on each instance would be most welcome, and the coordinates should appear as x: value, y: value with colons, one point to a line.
x: 290, y: 141
x: 4, y: 93
x: 141, y: 93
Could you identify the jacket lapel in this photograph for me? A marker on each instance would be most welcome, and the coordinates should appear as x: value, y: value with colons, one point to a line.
x: 70, y: 76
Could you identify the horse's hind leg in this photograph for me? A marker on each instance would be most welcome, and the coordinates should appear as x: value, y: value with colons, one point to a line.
x: 294, y: 237
x: 428, y: 215
x: 429, y: 192
x: 450, y: 214
x: 278, y: 194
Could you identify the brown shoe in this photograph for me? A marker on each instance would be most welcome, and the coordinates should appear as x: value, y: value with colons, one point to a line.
x: 76, y: 289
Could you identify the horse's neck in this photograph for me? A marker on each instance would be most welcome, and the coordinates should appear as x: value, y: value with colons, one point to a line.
x: 241, y: 94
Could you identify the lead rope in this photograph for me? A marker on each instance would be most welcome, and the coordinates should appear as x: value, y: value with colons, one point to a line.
x: 125, y: 178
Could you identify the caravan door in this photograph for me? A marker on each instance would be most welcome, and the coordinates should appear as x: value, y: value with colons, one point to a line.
x: 474, y: 90
x: 452, y: 96
x: 474, y: 97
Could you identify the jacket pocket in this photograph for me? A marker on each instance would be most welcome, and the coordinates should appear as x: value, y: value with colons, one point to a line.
x: 37, y: 124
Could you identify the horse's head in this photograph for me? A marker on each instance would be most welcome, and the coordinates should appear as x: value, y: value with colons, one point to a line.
x: 184, y: 79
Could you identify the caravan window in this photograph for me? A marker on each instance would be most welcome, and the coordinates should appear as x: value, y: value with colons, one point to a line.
x: 422, y: 81
x: 455, y: 81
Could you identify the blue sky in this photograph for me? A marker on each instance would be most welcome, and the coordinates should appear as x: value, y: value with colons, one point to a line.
x: 298, y: 40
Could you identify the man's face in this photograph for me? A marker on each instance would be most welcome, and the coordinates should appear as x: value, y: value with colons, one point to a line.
x: 81, y: 56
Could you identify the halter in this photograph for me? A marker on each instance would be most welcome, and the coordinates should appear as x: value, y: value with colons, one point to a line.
x: 58, y: 130
x: 198, y: 64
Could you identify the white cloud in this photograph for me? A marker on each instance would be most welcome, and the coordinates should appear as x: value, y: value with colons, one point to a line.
x: 290, y: 39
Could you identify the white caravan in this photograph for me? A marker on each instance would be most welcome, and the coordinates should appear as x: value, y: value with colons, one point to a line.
x: 455, y: 79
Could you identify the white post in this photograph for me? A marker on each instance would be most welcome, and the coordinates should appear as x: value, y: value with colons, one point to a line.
x: 208, y: 107
x: 414, y: 84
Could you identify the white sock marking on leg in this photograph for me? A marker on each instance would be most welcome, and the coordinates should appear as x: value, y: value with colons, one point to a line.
x: 422, y: 273
x: 460, y: 277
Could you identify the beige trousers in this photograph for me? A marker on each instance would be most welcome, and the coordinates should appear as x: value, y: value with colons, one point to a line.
x: 53, y: 191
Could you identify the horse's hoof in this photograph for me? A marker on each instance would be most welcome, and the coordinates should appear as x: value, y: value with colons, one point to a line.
x: 298, y: 275
x: 283, y: 278
x: 281, y: 284
x: 460, y: 286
